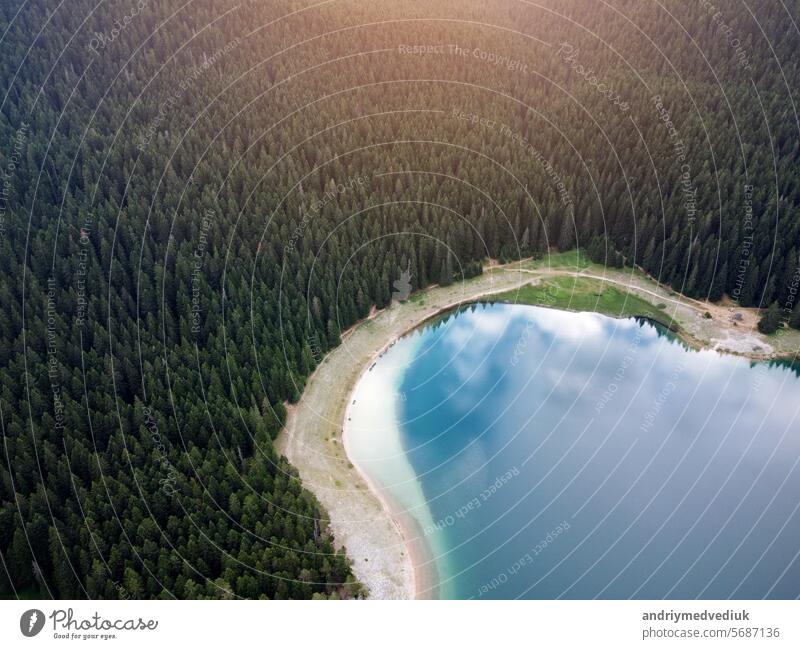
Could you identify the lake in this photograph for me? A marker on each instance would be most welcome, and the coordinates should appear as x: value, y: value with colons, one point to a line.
x: 548, y: 454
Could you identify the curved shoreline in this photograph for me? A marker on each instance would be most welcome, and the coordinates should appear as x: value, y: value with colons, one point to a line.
x: 388, y: 554
x: 423, y: 584
x: 424, y: 577
x: 410, y: 573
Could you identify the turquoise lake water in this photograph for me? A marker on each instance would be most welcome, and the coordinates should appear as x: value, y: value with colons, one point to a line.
x: 571, y: 455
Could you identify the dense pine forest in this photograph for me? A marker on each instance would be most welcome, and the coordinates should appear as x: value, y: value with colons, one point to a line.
x: 198, y: 198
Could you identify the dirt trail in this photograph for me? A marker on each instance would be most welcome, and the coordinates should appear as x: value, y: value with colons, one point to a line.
x: 722, y: 314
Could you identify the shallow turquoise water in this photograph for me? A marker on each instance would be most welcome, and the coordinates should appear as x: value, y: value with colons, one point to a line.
x: 571, y: 455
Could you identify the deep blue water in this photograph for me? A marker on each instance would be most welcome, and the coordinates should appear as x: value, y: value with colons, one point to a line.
x: 569, y: 455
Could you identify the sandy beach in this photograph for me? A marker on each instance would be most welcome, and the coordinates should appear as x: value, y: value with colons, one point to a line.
x: 389, y: 554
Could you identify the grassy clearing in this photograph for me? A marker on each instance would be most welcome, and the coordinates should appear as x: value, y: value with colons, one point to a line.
x: 574, y: 260
x: 584, y: 294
